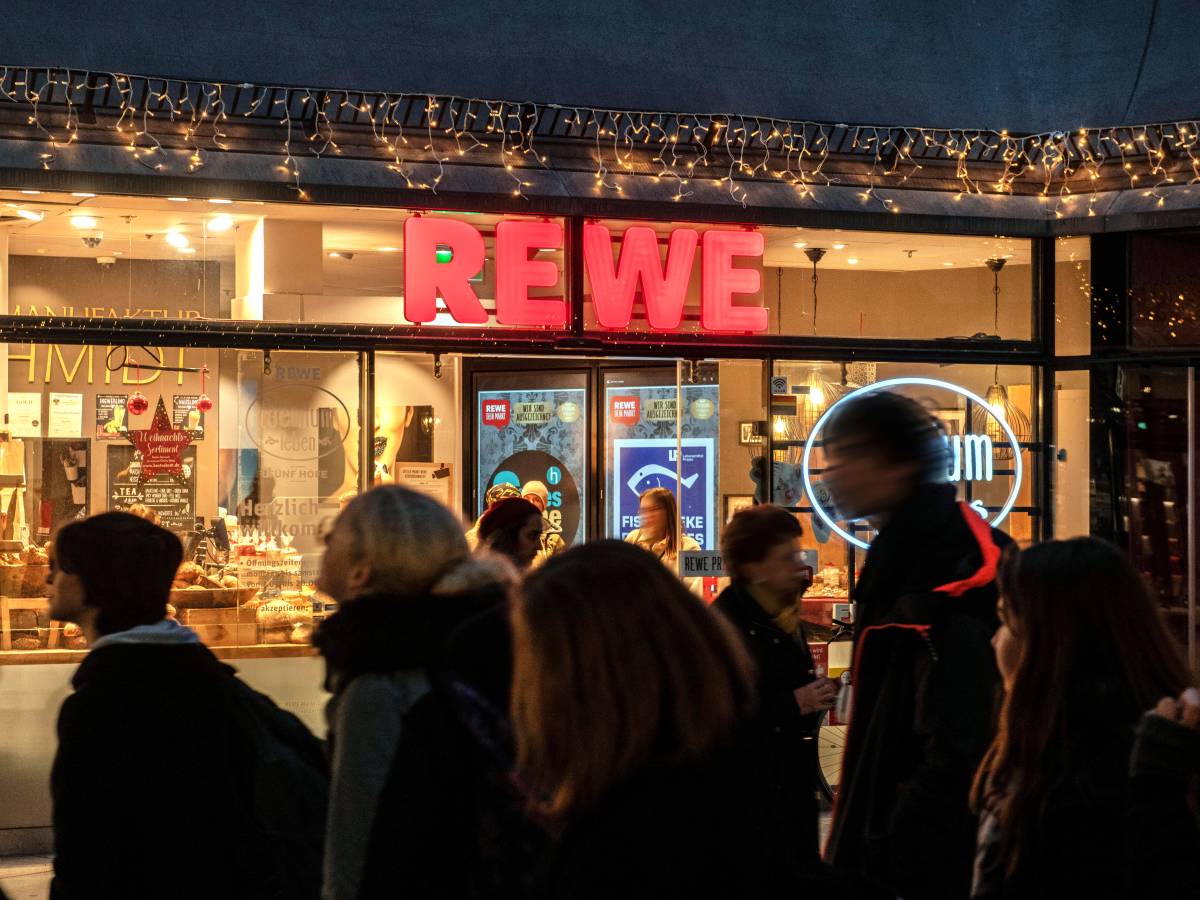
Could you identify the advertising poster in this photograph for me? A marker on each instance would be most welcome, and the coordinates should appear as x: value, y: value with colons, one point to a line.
x: 110, y: 416
x: 536, y: 436
x: 185, y: 415
x: 173, y: 499
x: 642, y: 453
x: 643, y: 463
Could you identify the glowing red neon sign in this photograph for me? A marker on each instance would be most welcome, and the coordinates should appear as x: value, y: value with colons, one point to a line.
x: 443, y: 256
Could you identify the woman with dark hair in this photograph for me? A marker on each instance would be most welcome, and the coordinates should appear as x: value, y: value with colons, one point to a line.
x: 150, y: 702
x: 512, y: 528
x: 1082, y: 652
x: 761, y: 548
x: 626, y: 705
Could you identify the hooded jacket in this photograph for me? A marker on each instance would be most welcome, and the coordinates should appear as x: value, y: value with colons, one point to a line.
x: 381, y: 654
x: 925, y: 684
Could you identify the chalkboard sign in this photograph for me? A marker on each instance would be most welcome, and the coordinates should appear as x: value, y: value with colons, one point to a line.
x: 173, y: 500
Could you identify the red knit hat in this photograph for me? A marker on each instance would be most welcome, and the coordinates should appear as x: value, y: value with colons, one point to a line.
x: 511, y: 512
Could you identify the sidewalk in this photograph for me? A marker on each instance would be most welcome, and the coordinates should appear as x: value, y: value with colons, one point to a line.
x: 25, y: 877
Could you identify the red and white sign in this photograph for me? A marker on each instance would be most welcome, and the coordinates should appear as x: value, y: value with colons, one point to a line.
x: 496, y: 413
x: 640, y: 270
x: 161, y: 445
x: 625, y: 410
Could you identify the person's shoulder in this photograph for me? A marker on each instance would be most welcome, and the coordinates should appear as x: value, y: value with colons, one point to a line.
x: 689, y: 544
x: 634, y: 537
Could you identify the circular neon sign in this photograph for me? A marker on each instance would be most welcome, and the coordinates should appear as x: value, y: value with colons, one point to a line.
x: 1018, y: 465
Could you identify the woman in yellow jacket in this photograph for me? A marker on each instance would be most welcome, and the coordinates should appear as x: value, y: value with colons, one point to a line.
x: 660, y: 534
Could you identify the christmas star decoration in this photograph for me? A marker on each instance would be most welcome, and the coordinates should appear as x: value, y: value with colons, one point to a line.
x: 161, y: 446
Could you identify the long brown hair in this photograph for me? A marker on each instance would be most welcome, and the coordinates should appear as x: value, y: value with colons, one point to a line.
x: 1086, y: 626
x: 612, y: 678
x: 666, y: 499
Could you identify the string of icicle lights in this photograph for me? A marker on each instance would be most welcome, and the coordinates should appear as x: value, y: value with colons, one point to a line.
x: 172, y: 126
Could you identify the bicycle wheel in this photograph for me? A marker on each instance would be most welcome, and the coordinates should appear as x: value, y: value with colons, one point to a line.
x: 831, y: 743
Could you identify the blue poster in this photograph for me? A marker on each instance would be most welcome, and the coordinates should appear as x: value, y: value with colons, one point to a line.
x: 643, y: 463
x: 536, y: 436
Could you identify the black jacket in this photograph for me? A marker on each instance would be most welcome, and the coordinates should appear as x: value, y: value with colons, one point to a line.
x: 925, y: 684
x: 784, y: 740
x: 153, y: 780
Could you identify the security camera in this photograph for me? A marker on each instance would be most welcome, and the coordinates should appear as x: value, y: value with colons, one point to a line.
x: 92, y: 241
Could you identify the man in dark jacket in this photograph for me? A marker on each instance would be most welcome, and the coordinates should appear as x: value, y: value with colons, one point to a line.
x: 172, y: 777
x: 924, y: 675
x: 761, y: 551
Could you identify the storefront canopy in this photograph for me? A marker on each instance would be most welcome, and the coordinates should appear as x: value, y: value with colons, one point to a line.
x: 1025, y: 65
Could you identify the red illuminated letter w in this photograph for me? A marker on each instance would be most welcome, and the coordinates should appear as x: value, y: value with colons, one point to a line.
x: 613, y: 292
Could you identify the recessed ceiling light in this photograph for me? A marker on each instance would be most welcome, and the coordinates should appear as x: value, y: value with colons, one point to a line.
x: 83, y: 221
x: 947, y: 264
x: 853, y: 260
x: 839, y: 246
x: 82, y: 194
x: 389, y: 249
x: 187, y: 249
x: 31, y: 193
x: 31, y: 214
x: 177, y: 240
x: 218, y: 200
x: 118, y: 253
x: 220, y: 223
x: 41, y: 250
x: 799, y: 244
x: 178, y: 199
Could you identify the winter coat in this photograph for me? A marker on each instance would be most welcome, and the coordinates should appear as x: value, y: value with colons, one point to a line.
x: 925, y: 684
x: 1080, y: 844
x: 383, y: 655
x: 784, y: 740
x: 159, y: 767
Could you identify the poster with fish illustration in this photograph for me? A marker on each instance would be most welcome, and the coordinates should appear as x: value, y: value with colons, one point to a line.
x: 643, y: 463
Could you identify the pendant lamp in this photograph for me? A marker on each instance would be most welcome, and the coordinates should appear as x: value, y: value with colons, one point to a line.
x: 815, y: 255
x: 997, y: 394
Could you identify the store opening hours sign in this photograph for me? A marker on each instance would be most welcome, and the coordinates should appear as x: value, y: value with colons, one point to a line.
x: 443, y: 258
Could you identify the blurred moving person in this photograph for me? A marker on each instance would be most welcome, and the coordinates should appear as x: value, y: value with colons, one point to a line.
x: 512, y: 528
x: 660, y: 534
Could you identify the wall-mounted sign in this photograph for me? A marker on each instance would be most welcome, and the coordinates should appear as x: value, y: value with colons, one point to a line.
x: 66, y: 415
x: 25, y: 414
x: 110, y: 416
x: 969, y: 457
x: 443, y: 258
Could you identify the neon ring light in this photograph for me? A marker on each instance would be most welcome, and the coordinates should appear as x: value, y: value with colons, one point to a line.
x: 899, y: 382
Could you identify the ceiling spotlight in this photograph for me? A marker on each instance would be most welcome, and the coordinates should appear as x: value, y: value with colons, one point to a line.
x: 31, y: 214
x: 177, y: 240
x: 82, y: 194
x: 799, y: 245
x: 83, y: 221
x: 839, y: 246
x: 31, y: 193
x: 853, y: 260
x: 218, y: 200
x: 947, y: 264
x: 220, y: 223
x: 389, y: 249
x: 178, y: 199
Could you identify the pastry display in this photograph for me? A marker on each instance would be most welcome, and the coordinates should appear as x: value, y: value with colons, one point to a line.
x: 283, y: 619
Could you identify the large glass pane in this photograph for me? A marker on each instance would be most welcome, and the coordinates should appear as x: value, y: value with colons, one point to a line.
x: 1072, y: 454
x: 1073, y: 296
x: 1164, y: 288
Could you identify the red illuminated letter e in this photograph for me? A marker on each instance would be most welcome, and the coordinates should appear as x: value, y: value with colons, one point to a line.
x: 516, y: 273
x: 425, y: 277
x: 720, y: 280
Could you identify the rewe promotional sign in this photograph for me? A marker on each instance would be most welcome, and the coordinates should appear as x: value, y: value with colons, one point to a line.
x: 970, y: 457
x: 442, y: 258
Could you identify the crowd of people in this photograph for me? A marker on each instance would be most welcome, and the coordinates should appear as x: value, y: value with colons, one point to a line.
x: 510, y: 718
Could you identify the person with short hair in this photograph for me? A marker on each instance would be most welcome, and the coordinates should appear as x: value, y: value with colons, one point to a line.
x: 160, y: 745
x: 924, y: 675
x: 1083, y: 652
x: 761, y: 549
x: 512, y: 528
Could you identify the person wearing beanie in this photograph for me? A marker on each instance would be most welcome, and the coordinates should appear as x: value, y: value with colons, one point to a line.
x: 512, y: 527
x: 493, y: 494
x: 552, y: 541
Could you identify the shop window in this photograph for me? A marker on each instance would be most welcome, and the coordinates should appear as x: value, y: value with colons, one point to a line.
x: 1073, y: 488
x: 270, y: 452
x: 811, y: 282
x: 1073, y: 296
x: 1164, y: 289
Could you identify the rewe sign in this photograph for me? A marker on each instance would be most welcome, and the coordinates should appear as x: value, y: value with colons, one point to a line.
x: 663, y: 284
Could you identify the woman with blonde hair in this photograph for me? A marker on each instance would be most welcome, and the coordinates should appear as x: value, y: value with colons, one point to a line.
x: 627, y: 707
x: 398, y: 564
x: 659, y: 532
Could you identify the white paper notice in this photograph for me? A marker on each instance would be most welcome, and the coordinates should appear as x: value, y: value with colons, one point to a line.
x: 66, y: 415
x: 25, y: 415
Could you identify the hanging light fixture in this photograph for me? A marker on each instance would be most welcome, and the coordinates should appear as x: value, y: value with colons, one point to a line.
x: 814, y: 255
x: 984, y: 421
x: 821, y: 394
